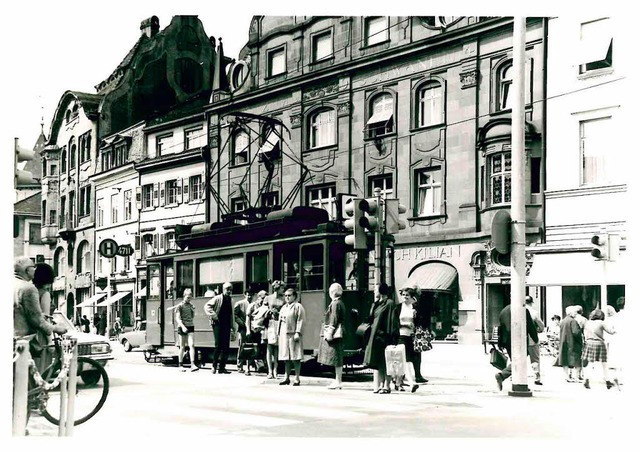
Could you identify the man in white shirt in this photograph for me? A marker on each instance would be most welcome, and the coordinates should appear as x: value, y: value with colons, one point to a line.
x: 533, y: 347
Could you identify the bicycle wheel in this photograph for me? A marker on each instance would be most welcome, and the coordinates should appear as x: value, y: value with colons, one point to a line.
x: 92, y: 388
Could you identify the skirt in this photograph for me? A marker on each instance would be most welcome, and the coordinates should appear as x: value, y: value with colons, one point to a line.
x: 331, y: 354
x: 289, y: 349
x: 408, y: 348
x: 594, y: 351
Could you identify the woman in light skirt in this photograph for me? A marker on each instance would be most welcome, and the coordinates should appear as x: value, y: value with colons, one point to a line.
x: 332, y: 349
x: 290, y: 335
x: 595, y: 350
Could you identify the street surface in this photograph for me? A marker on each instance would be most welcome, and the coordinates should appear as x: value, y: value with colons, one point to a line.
x: 461, y: 400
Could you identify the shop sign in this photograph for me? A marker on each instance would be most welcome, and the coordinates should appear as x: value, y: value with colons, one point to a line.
x: 427, y: 253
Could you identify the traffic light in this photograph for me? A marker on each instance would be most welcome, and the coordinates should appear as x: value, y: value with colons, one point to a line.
x: 22, y: 177
x: 371, y: 219
x: 392, y: 211
x: 358, y: 239
x: 501, y: 232
x: 600, y: 249
x: 613, y: 251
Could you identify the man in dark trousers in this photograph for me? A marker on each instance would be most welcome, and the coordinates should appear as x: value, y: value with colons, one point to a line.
x: 220, y: 312
x: 504, y: 339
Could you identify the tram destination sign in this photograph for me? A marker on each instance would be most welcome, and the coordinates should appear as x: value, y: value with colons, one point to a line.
x: 109, y: 248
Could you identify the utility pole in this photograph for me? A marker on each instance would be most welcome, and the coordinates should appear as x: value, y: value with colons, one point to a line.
x: 518, y: 216
x: 378, y: 255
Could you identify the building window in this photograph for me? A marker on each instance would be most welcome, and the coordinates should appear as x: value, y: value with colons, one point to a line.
x: 128, y: 204
x: 44, y: 167
x: 505, y: 82
x: 429, y: 191
x: 34, y: 233
x: 147, y: 196
x: 43, y: 212
x: 85, y: 201
x: 194, y: 138
x: 277, y: 62
x: 376, y: 30
x: 500, y: 178
x: 72, y: 210
x: 238, y: 204
x: 53, y: 214
x: 163, y: 144
x: 381, y: 115
x: 430, y: 104
x: 171, y: 192
x: 63, y: 214
x: 598, y: 160
x: 121, y: 154
x: 384, y: 182
x: 63, y: 159
x: 72, y: 153
x: 195, y: 187
x: 84, y: 258
x: 322, y: 46
x: 322, y: 127
x: 270, y: 199
x: 596, y: 45
x: 100, y: 205
x: 54, y: 170
x: 240, y: 148
x: 323, y: 197
x: 85, y: 147
x: 58, y: 262
x: 171, y: 241
x: 114, y: 209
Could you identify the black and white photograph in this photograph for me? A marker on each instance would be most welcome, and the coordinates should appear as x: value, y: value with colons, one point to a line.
x: 231, y: 223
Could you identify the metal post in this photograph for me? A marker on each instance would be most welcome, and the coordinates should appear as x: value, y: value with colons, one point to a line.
x: 72, y: 384
x: 518, y: 216
x: 63, y: 406
x: 377, y: 248
x: 603, y: 288
x: 21, y: 387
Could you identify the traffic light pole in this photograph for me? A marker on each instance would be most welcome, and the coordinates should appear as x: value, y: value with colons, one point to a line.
x: 603, y: 288
x: 377, y: 248
x: 518, y: 216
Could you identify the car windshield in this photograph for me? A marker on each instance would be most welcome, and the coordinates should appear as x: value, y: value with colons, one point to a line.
x: 60, y: 319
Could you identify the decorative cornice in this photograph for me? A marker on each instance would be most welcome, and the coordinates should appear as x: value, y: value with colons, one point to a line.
x: 320, y: 92
x: 296, y: 120
x: 344, y: 109
x: 469, y: 79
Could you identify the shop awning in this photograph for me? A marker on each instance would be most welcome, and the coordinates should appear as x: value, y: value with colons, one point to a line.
x: 114, y: 299
x: 270, y: 143
x: 435, y: 276
x: 141, y: 293
x: 380, y: 117
x: 574, y: 268
x: 92, y: 301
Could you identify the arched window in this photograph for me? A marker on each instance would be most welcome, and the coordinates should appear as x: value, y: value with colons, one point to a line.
x: 58, y: 262
x: 83, y: 258
x: 322, y: 128
x: 240, y: 153
x: 72, y: 153
x: 504, y: 83
x: 63, y: 159
x: 44, y: 167
x: 430, y: 103
x: 381, y: 109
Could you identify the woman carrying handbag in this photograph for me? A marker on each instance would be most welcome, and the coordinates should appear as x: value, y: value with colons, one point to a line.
x: 331, y: 345
x: 407, y: 318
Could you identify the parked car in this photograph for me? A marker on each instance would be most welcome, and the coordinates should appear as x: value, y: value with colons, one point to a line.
x: 90, y: 345
x: 133, y: 339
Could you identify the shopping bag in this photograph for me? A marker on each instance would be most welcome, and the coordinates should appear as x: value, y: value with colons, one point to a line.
x: 248, y: 351
x: 272, y: 332
x: 498, y: 359
x: 395, y: 359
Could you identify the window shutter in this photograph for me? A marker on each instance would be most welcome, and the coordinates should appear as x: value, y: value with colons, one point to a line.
x: 186, y: 190
x: 163, y: 193
x: 179, y: 190
x: 155, y: 243
x: 204, y: 185
x: 162, y: 242
x: 136, y: 243
x: 138, y: 197
x: 156, y: 194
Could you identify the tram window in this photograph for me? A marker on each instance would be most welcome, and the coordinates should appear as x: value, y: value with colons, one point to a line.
x: 215, y: 271
x: 169, y: 283
x: 258, y: 269
x: 291, y: 268
x: 184, y: 277
x: 312, y: 267
x: 336, y: 271
x: 154, y: 282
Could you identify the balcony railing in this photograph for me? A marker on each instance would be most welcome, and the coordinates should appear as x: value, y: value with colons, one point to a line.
x: 48, y: 234
x: 67, y: 222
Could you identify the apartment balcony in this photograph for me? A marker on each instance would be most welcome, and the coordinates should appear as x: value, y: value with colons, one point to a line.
x: 49, y: 234
x: 66, y: 224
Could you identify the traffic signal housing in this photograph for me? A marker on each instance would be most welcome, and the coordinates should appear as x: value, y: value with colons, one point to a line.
x: 22, y: 177
x: 358, y: 237
x: 392, y: 211
x: 600, y: 249
x: 371, y: 219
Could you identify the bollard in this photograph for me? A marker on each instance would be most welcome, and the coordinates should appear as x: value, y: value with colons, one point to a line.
x: 72, y: 384
x: 21, y: 388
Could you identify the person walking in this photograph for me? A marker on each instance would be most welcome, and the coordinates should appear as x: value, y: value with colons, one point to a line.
x: 102, y: 324
x: 570, y: 345
x: 385, y: 330
x: 27, y: 313
x: 533, y: 347
x: 240, y: 315
x: 184, y: 313
x: 220, y: 312
x: 84, y: 321
x: 422, y: 323
x: 331, y: 352
x: 595, y: 349
x: 406, y: 318
x: 290, y: 348
x: 96, y: 322
x: 504, y: 339
x: 617, y: 341
x: 275, y: 301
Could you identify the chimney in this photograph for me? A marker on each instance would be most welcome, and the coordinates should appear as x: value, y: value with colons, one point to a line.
x: 150, y: 26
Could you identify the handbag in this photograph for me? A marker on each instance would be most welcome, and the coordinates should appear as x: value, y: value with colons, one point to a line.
x: 327, y: 332
x: 422, y: 340
x: 248, y: 351
x: 272, y: 332
x: 498, y: 359
x: 337, y: 334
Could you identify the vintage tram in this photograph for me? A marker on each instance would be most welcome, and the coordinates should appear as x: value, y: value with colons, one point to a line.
x: 299, y: 246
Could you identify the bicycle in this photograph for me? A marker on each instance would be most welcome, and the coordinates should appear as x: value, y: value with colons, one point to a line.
x: 92, y: 385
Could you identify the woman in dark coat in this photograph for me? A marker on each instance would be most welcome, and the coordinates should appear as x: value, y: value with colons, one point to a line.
x: 332, y: 349
x: 385, y: 330
x: 570, y: 348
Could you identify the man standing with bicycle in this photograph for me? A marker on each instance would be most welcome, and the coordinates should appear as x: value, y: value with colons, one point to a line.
x: 27, y: 315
